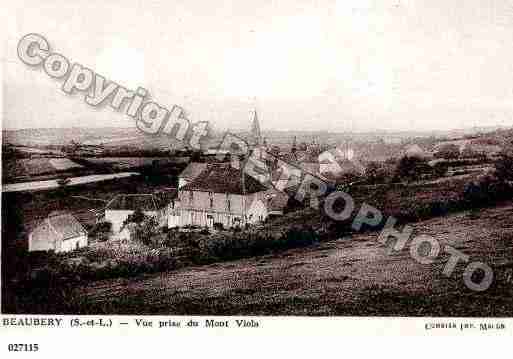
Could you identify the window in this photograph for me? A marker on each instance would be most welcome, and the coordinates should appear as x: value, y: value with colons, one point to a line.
x: 228, y: 203
x: 191, y: 197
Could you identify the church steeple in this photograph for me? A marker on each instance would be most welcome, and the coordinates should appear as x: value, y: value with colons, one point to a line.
x: 255, y: 128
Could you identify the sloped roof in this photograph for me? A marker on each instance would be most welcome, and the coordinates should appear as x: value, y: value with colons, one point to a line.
x: 193, y: 170
x: 58, y: 225
x: 131, y: 202
x: 66, y: 225
x: 223, y: 178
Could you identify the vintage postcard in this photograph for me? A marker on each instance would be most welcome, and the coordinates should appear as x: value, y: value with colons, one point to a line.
x: 257, y: 166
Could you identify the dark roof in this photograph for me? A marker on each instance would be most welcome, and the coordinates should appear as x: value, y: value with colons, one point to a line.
x: 131, y: 202
x: 193, y: 170
x: 143, y: 201
x: 223, y: 178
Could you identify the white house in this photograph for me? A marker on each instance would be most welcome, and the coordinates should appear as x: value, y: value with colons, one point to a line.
x: 156, y: 205
x: 59, y: 232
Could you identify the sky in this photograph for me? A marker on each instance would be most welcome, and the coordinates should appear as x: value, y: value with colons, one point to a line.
x: 303, y: 65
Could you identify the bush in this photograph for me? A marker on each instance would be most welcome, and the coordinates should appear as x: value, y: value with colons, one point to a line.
x: 376, y: 173
x: 486, y: 190
x: 448, y: 151
x: 440, y: 169
x: 137, y: 217
x: 504, y: 166
x: 101, y: 231
x: 411, y: 168
x: 145, y: 231
x: 230, y: 246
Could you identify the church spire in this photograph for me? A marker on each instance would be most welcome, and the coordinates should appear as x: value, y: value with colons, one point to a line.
x: 255, y: 128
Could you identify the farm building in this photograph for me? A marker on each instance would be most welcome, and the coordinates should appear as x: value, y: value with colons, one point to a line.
x: 221, y: 195
x: 123, y: 205
x: 59, y: 232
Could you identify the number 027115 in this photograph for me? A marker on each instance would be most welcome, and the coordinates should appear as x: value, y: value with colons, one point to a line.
x: 23, y: 347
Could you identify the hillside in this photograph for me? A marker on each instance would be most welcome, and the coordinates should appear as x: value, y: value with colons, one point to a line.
x: 349, y: 276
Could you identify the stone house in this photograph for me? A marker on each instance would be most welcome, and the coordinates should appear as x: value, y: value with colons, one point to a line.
x: 222, y: 195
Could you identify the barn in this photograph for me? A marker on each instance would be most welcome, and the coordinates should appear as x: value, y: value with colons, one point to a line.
x: 59, y: 232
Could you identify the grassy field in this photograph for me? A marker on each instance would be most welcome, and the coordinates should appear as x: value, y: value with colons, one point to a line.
x: 346, y: 276
x: 124, y: 163
x: 31, y: 168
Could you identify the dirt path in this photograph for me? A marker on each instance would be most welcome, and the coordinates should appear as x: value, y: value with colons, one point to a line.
x: 50, y: 184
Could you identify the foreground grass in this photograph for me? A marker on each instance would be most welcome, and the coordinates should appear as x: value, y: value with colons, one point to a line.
x: 348, y: 276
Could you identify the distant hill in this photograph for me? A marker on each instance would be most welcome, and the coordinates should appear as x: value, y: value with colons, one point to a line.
x: 108, y: 137
x: 131, y: 136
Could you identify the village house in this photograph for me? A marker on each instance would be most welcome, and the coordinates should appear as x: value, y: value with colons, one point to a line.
x: 339, y: 161
x: 221, y: 195
x: 59, y: 232
x: 157, y: 205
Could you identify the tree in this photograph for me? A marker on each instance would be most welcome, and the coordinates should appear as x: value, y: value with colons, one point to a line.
x: 448, y: 151
x: 137, y: 217
x: 411, y: 168
x: 440, y: 169
x: 101, y: 230
x: 376, y: 173
x: 504, y: 165
x: 146, y: 230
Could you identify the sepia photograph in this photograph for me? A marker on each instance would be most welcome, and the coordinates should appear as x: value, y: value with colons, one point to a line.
x: 292, y: 158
